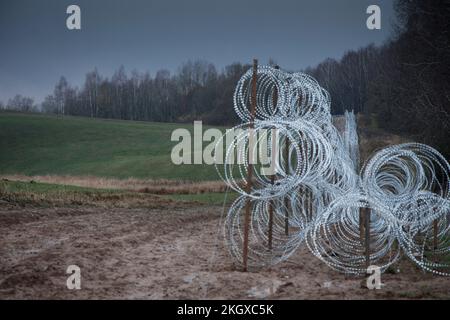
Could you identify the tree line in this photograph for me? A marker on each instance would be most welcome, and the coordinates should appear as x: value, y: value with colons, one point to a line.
x: 196, y: 91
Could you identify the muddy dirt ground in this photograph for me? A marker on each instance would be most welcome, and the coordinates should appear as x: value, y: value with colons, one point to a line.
x: 165, y: 253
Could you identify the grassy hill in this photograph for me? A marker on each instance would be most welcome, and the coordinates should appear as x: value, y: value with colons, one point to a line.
x: 54, y: 195
x: 32, y: 144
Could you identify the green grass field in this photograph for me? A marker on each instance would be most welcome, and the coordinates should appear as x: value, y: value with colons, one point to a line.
x: 21, y: 192
x: 32, y: 144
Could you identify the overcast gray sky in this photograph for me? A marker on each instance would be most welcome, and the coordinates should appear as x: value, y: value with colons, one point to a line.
x: 36, y: 48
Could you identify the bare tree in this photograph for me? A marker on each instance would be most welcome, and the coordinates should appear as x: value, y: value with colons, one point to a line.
x: 60, y: 93
x: 21, y: 103
x: 91, y: 85
x: 49, y: 104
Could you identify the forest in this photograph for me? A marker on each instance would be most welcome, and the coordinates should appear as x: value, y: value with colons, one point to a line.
x: 402, y: 85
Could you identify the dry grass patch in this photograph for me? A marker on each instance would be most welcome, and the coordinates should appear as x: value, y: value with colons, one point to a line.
x: 160, y: 186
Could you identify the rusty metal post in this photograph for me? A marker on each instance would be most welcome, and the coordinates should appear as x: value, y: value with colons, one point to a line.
x: 250, y: 166
x: 272, y: 178
x: 270, y: 232
x: 435, y: 234
x: 367, y: 235
x: 361, y: 224
x: 272, y: 181
x: 310, y: 205
x: 286, y: 203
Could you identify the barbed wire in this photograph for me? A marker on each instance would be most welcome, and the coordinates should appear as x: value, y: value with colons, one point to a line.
x: 315, y: 194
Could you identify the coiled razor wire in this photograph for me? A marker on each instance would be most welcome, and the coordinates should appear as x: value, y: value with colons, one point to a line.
x: 316, y: 195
